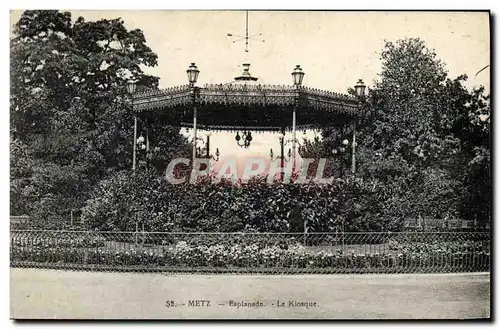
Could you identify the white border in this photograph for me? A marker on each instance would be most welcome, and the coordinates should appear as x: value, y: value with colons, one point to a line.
x: 188, y: 4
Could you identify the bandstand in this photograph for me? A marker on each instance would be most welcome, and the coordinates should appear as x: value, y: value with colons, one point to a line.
x: 245, y: 106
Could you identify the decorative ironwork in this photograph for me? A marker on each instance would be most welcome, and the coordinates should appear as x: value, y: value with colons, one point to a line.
x: 265, y: 253
x: 330, y: 101
x: 162, y: 98
x: 249, y: 95
x: 237, y: 128
x: 246, y: 104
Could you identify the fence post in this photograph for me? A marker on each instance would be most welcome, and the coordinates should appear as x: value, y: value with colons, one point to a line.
x: 343, y: 247
x: 136, y: 232
x: 334, y: 248
x: 143, y: 234
x: 343, y: 237
x: 305, y: 233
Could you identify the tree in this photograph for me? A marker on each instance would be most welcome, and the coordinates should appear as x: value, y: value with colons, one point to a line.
x: 423, y: 149
x: 425, y: 129
x: 69, y: 107
x: 407, y: 106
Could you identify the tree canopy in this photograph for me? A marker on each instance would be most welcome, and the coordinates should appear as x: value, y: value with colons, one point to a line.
x: 424, y: 148
x: 71, y: 120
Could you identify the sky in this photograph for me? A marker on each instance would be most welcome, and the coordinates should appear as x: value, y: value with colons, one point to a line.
x: 335, y: 49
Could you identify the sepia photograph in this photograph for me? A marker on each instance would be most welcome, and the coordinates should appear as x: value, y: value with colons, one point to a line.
x: 250, y: 164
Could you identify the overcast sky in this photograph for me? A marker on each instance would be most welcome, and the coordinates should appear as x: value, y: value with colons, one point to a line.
x: 334, y: 48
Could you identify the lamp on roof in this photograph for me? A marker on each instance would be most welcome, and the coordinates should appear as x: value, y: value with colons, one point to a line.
x: 192, y: 73
x: 360, y: 88
x: 298, y: 75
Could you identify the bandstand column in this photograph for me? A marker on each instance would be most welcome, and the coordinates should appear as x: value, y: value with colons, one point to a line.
x: 194, y: 134
x: 192, y: 73
x: 148, y: 128
x: 353, y: 168
x: 282, y: 153
x: 208, y: 146
x: 135, y: 143
x: 294, y: 136
x: 147, y: 136
x: 360, y: 94
x: 298, y: 76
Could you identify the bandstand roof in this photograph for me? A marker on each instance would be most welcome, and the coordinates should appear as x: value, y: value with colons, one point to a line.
x: 245, y: 104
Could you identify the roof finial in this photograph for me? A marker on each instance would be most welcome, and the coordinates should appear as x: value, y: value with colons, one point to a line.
x: 246, y: 76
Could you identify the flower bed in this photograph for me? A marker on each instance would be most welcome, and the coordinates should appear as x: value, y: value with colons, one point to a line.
x: 440, y: 246
x: 254, y: 255
x: 228, y: 239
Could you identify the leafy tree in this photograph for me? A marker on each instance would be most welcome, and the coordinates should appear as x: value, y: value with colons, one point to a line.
x: 422, y: 131
x: 69, y: 107
x: 423, y: 149
x: 406, y: 106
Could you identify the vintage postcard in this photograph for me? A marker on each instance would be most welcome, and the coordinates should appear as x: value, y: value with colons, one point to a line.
x: 250, y: 164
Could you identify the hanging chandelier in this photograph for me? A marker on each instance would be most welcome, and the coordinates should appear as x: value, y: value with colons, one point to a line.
x: 243, y: 140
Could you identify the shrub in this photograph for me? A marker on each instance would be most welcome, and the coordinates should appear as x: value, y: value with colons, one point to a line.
x: 119, y: 202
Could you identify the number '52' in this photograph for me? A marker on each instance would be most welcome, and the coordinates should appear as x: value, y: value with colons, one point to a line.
x: 169, y: 303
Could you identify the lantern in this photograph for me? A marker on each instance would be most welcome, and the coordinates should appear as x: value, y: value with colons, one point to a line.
x: 131, y: 86
x: 192, y: 73
x: 360, y: 88
x: 298, y: 75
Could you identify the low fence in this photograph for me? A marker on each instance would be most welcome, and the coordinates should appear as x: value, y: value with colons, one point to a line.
x: 445, y: 225
x: 270, y: 253
x: 70, y: 223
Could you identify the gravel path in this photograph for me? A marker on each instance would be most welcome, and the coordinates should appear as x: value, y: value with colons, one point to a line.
x: 57, y: 294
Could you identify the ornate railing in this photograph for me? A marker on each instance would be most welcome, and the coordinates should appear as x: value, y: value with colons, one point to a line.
x: 265, y: 253
x: 162, y: 98
x: 247, y: 95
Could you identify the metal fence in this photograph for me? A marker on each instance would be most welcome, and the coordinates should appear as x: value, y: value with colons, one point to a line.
x: 269, y: 253
x: 446, y: 225
x: 69, y: 223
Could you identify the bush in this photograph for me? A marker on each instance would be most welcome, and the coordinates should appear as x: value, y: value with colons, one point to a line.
x: 48, y: 255
x: 121, y: 201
